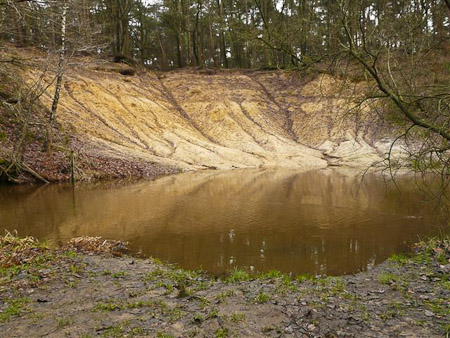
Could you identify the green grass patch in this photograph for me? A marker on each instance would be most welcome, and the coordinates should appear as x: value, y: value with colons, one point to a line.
x: 237, y: 317
x: 197, y: 318
x: 438, y: 306
x: 119, y: 274
x: 212, y: 314
x: 164, y: 335
x: 388, y: 278
x: 400, y: 259
x: 108, y: 306
x: 271, y: 274
x: 262, y: 298
x: 224, y: 295
x: 222, y: 333
x: 237, y: 276
x: 394, y: 310
x: 15, y: 307
x: 305, y: 278
x: 64, y: 321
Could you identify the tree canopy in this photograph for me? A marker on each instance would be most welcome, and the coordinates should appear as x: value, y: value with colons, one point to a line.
x: 166, y: 34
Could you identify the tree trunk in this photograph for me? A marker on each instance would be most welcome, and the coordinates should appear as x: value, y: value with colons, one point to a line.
x: 223, y: 50
x: 59, y: 77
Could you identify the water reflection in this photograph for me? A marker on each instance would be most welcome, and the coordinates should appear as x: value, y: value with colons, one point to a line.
x: 300, y: 222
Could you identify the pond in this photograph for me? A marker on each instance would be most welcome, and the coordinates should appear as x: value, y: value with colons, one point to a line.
x: 315, y: 222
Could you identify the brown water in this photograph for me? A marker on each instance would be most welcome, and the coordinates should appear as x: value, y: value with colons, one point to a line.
x: 311, y: 222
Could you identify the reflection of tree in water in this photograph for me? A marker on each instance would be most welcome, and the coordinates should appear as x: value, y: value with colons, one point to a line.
x: 315, y: 222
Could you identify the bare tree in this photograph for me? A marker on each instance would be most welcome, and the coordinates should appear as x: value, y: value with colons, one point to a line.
x: 59, y: 78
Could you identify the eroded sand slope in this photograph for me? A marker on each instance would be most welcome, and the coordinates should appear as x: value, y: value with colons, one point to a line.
x: 193, y: 119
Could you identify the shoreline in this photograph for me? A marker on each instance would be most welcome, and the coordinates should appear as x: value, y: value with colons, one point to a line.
x: 85, y: 290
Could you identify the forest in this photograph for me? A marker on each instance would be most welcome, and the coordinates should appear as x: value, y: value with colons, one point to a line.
x: 396, y: 52
x: 224, y: 33
x: 224, y: 168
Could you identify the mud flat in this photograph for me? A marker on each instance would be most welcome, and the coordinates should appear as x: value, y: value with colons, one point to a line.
x: 83, y: 291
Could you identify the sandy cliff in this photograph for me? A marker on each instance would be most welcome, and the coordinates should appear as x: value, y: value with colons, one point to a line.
x: 194, y: 119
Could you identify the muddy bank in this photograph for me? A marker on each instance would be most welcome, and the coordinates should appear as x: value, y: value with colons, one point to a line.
x: 77, y: 294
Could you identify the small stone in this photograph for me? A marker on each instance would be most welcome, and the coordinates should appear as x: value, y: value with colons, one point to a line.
x: 21, y: 275
x: 429, y: 313
x: 289, y: 329
x: 311, y: 327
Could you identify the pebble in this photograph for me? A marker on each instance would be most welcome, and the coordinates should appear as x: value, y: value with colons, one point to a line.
x: 311, y: 327
x: 429, y: 313
x: 289, y: 329
x: 445, y: 268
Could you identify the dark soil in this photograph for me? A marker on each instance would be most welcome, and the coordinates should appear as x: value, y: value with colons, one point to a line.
x: 76, y: 294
